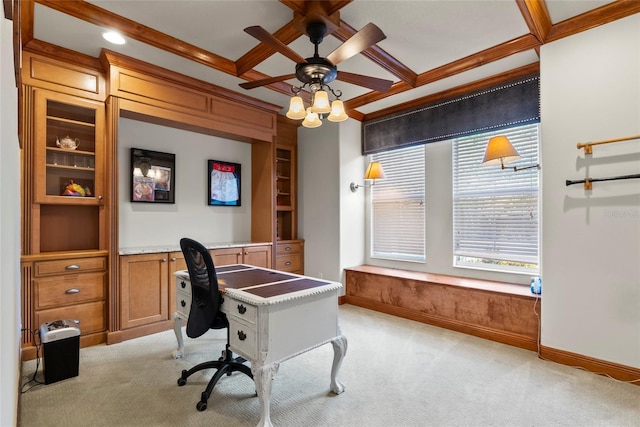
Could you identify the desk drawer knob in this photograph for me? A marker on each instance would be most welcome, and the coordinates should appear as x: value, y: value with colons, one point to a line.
x: 183, y: 285
x: 183, y: 303
x: 242, y: 309
x: 242, y: 336
x: 72, y: 291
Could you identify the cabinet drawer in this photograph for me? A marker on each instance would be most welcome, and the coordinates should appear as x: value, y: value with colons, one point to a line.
x: 69, y: 289
x: 240, y: 310
x: 288, y: 248
x: 183, y: 303
x: 243, y: 339
x: 91, y: 316
x: 291, y: 262
x: 183, y: 286
x: 66, y: 266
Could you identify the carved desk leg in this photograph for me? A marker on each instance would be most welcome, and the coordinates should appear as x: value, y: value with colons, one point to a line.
x: 339, y: 351
x: 177, y: 329
x: 263, y: 377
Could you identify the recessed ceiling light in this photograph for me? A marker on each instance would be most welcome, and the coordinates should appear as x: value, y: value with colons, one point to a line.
x: 113, y: 37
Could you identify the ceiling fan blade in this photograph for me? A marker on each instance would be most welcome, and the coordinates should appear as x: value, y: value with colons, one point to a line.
x: 381, y: 85
x: 369, y: 35
x: 268, y: 38
x: 268, y: 81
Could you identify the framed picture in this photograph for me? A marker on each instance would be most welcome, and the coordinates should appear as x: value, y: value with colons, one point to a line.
x: 153, y: 176
x: 224, y: 183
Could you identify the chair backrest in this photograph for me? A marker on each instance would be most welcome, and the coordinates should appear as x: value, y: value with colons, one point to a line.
x: 205, y: 295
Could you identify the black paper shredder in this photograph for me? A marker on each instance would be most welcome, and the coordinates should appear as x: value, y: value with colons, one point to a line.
x: 60, y: 350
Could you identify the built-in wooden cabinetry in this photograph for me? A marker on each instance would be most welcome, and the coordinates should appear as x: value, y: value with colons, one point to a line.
x: 289, y: 250
x: 258, y: 255
x: 64, y: 237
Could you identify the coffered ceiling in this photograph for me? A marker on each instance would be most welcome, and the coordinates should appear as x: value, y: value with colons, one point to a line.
x: 432, y: 47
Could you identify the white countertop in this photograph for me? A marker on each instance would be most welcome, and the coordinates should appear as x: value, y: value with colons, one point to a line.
x: 176, y: 248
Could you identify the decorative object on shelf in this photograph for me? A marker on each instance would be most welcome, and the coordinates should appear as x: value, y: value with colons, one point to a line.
x: 224, y: 183
x: 316, y: 72
x: 74, y: 189
x: 152, y: 176
x: 500, y: 151
x: 588, y: 146
x: 68, y: 143
x: 374, y: 171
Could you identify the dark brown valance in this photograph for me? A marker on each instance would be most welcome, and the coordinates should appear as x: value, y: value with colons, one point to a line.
x: 501, y: 106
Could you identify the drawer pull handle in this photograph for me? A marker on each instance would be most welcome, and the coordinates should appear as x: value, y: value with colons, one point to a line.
x: 164, y: 260
x: 72, y: 291
x: 242, y: 335
x: 242, y: 309
x: 173, y: 258
x: 183, y: 284
x: 287, y: 263
x: 183, y: 303
x: 288, y: 248
x: 72, y: 267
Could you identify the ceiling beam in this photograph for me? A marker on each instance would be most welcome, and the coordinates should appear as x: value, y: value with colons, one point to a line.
x: 379, y: 56
x: 536, y: 16
x: 594, y: 18
x: 503, y: 50
x: 102, y: 17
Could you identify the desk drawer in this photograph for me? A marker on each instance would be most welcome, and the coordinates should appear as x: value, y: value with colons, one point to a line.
x: 72, y: 265
x: 243, y: 338
x: 240, y: 310
x: 290, y: 262
x: 55, y: 291
x: 183, y: 286
x: 91, y: 316
x: 183, y: 303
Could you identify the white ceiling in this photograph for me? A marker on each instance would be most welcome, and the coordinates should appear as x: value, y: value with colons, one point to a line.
x: 421, y: 34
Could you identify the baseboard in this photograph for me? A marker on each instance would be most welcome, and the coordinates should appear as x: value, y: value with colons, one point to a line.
x: 342, y: 299
x: 504, y: 337
x: 597, y: 366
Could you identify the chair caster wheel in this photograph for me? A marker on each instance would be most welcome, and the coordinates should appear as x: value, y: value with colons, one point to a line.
x: 201, y: 406
x: 181, y: 382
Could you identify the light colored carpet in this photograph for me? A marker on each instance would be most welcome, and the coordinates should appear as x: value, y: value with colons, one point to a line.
x: 396, y: 372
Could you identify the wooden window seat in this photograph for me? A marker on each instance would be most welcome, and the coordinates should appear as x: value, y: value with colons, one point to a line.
x: 497, y: 311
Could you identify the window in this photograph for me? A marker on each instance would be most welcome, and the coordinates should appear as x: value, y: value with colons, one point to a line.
x: 496, y: 211
x: 397, y: 206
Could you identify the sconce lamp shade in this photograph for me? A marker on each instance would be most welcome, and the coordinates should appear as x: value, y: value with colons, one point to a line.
x: 311, y: 120
x: 337, y: 112
x: 499, y: 151
x: 321, y: 103
x: 296, y: 109
x: 374, y: 171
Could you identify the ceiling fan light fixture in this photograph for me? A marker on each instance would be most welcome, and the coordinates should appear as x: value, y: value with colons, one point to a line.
x: 296, y: 109
x: 337, y: 112
x: 321, y: 102
x: 311, y: 120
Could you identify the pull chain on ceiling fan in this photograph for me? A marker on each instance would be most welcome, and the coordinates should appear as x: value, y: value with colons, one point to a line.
x: 317, y: 72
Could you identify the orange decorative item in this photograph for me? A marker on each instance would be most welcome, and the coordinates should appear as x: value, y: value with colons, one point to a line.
x: 73, y: 189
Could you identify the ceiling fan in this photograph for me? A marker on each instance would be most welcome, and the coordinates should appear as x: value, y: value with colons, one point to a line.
x: 317, y: 71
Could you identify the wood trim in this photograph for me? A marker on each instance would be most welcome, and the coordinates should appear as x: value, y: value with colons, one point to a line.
x: 112, y: 107
x: 457, y: 91
x: 600, y: 16
x: 102, y: 17
x: 536, y: 16
x: 484, y: 57
x: 63, y: 55
x: 597, y: 366
x: 26, y: 21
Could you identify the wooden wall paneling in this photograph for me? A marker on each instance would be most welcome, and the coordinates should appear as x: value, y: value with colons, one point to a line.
x: 110, y: 212
x: 263, y: 192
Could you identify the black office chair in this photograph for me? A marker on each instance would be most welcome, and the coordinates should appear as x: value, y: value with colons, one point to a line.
x: 205, y: 314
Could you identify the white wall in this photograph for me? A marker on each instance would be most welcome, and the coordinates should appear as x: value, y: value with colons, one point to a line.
x: 590, y: 91
x: 161, y: 224
x: 9, y: 232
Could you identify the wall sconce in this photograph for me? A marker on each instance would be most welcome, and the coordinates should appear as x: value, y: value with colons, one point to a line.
x: 500, y: 151
x: 374, y: 171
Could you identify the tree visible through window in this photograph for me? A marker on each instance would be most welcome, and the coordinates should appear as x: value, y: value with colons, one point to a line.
x: 496, y: 211
x: 398, y: 211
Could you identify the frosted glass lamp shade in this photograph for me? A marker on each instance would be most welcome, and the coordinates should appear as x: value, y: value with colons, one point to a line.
x: 311, y: 120
x: 296, y: 109
x: 321, y: 103
x: 337, y: 112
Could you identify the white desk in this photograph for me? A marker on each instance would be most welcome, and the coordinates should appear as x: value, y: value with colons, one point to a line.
x: 273, y: 316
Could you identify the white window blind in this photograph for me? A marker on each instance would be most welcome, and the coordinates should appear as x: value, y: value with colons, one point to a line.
x: 496, y: 211
x: 397, y: 206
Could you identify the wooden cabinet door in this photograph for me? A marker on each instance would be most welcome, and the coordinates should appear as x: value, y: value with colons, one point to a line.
x: 144, y: 289
x: 260, y: 256
x: 226, y: 256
